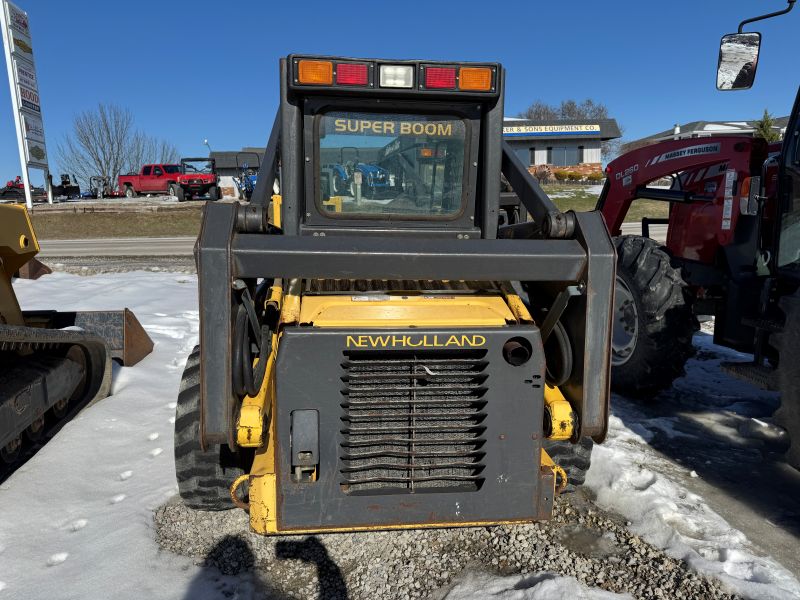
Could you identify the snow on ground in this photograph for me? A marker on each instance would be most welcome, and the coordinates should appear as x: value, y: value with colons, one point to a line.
x: 544, y: 586
x: 569, y: 192
x: 646, y: 488
x: 77, y: 517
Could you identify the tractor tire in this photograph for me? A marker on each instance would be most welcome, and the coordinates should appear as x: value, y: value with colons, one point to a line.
x: 653, y: 319
x: 339, y: 185
x: 575, y: 459
x: 178, y: 193
x: 130, y: 192
x: 213, y: 193
x: 204, y: 476
x: 788, y: 415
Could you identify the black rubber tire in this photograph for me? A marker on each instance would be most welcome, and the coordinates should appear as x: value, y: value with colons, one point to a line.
x: 204, y: 476
x: 666, y: 322
x: 339, y: 185
x: 788, y: 415
x: 213, y: 193
x: 178, y: 193
x: 575, y: 459
x: 130, y: 192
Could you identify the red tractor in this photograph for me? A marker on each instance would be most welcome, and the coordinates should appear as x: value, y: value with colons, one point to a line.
x: 732, y: 251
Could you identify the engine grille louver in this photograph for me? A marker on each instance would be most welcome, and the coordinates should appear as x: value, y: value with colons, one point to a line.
x: 413, y: 422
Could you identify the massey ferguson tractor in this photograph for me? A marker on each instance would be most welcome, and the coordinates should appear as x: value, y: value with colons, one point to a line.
x: 393, y: 360
x: 732, y: 252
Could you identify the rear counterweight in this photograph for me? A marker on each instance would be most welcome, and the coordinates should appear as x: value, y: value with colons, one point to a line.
x: 419, y: 427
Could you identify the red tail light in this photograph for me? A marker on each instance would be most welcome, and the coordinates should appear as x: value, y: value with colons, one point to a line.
x: 351, y: 74
x: 440, y: 78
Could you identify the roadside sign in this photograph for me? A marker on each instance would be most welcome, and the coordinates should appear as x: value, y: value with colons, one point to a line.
x: 33, y: 128
x: 29, y: 99
x: 26, y: 74
x: 24, y: 86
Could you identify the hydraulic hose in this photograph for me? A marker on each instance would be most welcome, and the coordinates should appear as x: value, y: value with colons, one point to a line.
x: 560, y: 356
x: 248, y: 378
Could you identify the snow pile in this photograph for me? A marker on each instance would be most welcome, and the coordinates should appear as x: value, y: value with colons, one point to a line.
x: 631, y: 479
x: 625, y: 479
x: 543, y: 586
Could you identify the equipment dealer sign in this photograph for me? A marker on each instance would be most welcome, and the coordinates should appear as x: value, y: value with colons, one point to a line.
x: 29, y: 99
x: 26, y: 74
x: 24, y: 85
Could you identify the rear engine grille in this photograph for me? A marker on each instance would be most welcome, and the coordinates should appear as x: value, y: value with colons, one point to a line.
x: 413, y: 422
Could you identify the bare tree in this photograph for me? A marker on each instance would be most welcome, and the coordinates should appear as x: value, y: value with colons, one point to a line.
x: 539, y: 111
x: 104, y: 142
x: 572, y: 110
x: 145, y: 149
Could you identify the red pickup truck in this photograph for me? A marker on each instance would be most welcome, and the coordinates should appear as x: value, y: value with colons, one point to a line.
x: 152, y: 179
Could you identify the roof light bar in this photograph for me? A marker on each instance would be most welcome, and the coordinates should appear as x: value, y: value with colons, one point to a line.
x: 356, y: 76
x: 397, y: 76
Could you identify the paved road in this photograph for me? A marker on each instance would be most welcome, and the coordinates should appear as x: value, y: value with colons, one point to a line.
x: 139, y: 246
x: 183, y: 246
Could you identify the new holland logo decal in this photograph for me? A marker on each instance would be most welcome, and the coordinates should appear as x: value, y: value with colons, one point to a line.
x: 416, y: 341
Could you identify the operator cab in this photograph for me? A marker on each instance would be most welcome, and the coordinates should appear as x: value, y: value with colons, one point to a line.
x: 736, y: 70
x: 401, y: 147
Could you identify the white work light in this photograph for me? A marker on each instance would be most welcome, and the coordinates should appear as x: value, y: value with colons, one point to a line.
x: 397, y: 76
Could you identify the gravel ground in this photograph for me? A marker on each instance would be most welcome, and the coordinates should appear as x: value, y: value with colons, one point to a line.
x: 581, y: 541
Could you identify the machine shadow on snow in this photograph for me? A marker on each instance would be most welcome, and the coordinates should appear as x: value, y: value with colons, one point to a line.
x: 230, y: 570
x: 754, y: 474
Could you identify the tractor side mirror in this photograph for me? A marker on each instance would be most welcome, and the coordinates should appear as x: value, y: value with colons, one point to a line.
x: 738, y: 60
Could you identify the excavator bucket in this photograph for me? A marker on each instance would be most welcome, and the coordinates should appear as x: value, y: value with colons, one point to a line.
x: 121, y: 330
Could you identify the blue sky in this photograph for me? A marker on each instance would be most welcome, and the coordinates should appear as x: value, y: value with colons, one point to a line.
x: 201, y: 69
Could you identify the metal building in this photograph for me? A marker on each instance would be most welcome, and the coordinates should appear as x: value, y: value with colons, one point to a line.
x: 573, y: 145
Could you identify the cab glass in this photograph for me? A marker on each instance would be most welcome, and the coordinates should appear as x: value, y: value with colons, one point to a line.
x: 390, y: 165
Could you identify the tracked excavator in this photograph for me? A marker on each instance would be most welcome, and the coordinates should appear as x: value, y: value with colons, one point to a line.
x: 51, y: 363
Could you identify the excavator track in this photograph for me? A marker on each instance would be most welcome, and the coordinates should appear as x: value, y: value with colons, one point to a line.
x: 49, y: 375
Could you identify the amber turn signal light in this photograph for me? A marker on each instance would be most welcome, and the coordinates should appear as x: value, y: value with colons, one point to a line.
x: 477, y: 79
x: 315, y: 72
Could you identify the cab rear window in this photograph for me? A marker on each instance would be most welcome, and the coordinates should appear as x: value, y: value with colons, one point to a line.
x: 390, y: 165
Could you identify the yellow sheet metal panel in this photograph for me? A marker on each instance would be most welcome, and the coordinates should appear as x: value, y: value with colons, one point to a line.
x: 276, y: 206
x: 515, y: 304
x: 393, y: 310
x: 18, y: 245
x: 256, y: 410
x: 263, y: 483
